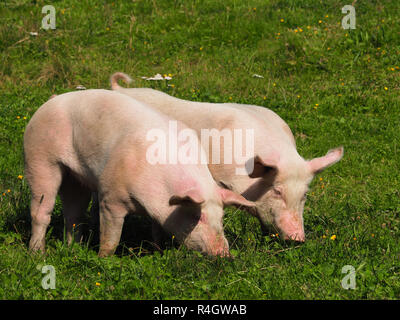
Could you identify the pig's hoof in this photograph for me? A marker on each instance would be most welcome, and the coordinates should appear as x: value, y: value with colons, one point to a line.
x: 37, y: 247
x: 36, y: 251
x: 105, y: 253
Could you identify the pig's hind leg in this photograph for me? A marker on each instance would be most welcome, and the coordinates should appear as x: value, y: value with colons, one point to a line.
x: 75, y: 199
x: 44, y: 180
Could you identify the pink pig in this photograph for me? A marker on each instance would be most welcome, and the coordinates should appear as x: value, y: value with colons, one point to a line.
x: 280, y: 177
x: 95, y: 141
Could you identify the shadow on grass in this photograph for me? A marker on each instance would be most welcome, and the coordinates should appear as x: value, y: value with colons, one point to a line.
x: 136, y: 235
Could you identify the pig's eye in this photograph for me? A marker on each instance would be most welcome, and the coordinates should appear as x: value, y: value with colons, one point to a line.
x: 277, y: 192
x: 304, y: 197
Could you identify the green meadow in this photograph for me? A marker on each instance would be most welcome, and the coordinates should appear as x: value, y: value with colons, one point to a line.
x: 333, y: 86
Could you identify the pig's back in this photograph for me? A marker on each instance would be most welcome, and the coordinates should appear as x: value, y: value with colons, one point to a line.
x: 196, y: 115
x: 82, y: 128
x: 271, y: 121
x: 107, y: 115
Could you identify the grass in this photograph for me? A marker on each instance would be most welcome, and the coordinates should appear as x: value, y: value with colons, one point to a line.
x: 332, y: 86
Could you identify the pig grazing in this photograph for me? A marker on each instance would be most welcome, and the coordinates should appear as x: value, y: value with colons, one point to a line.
x: 279, y: 179
x: 95, y: 141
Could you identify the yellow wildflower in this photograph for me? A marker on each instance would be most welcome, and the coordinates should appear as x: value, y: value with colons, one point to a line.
x: 333, y: 237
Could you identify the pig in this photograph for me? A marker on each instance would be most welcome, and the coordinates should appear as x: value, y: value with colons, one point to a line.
x: 280, y: 177
x: 95, y: 141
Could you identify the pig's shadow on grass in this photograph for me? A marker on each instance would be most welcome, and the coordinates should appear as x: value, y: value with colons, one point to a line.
x: 136, y: 234
x: 136, y: 237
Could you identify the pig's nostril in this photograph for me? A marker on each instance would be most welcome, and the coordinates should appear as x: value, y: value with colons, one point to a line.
x: 295, y: 237
x: 226, y: 254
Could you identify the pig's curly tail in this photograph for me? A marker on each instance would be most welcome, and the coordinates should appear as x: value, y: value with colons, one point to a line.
x: 119, y: 76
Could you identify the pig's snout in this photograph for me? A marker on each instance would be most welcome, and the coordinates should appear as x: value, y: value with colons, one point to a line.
x: 296, y: 237
x: 208, y: 242
x: 220, y: 247
x: 291, y: 226
x: 215, y: 244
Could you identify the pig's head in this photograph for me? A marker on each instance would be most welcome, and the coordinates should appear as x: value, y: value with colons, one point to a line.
x: 281, y: 189
x: 197, y: 219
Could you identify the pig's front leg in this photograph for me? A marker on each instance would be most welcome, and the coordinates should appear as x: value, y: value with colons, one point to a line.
x: 112, y: 216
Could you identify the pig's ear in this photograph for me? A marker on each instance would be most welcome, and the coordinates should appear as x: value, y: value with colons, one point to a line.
x: 191, y: 196
x: 258, y: 166
x: 319, y: 164
x: 230, y: 198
